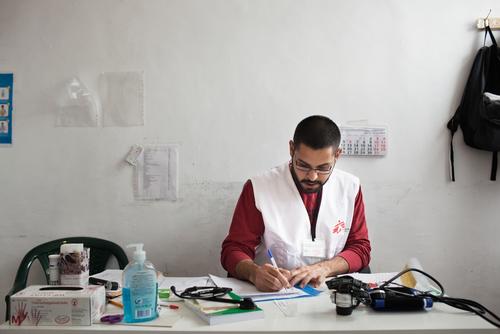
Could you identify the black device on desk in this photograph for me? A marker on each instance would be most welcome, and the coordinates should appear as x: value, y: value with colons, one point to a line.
x: 108, y: 285
x: 399, y: 299
x: 348, y: 293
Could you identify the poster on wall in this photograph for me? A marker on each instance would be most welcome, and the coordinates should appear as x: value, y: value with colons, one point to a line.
x: 6, y: 91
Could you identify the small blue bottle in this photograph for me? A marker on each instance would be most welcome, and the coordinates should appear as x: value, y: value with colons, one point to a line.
x: 140, y: 288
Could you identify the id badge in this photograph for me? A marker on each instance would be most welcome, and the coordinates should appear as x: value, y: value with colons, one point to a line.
x: 316, y: 248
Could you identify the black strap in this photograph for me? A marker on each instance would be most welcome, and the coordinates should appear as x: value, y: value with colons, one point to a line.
x: 452, y: 160
x: 487, y: 31
x: 494, y: 163
x: 452, y: 126
x: 494, y: 160
x: 314, y: 218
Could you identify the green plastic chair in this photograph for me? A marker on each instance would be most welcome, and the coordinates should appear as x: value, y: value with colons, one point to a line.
x: 366, y: 270
x: 100, y: 252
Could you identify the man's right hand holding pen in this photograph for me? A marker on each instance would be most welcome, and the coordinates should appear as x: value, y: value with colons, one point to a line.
x: 267, y: 277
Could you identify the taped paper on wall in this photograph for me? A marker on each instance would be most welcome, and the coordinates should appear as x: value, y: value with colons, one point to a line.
x: 122, y: 98
x: 133, y: 154
x: 76, y: 106
x: 156, y: 173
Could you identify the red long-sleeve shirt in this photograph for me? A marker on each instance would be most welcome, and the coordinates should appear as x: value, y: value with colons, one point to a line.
x: 247, y: 229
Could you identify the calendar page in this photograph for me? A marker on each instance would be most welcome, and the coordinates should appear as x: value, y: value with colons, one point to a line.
x: 364, y: 140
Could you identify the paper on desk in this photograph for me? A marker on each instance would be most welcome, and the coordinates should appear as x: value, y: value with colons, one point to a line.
x: 114, y: 275
x: 164, y: 282
x: 245, y: 289
x: 410, y: 279
x: 182, y: 283
x: 415, y: 279
x: 376, y: 278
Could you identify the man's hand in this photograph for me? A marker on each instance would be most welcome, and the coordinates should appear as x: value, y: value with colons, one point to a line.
x: 265, y: 278
x: 316, y: 274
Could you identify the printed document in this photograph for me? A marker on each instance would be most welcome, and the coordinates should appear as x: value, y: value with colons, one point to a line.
x: 156, y: 173
x: 245, y: 289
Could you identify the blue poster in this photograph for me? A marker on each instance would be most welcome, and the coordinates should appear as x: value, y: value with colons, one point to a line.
x: 6, y: 91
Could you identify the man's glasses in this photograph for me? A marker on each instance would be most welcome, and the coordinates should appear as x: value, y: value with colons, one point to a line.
x: 322, y: 170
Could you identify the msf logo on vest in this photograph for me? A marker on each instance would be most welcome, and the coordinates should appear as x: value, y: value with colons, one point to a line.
x: 339, y: 227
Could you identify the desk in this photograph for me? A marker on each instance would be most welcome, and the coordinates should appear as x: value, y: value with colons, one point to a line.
x: 314, y: 315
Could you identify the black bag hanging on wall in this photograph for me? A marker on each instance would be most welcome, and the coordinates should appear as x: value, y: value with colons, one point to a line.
x: 478, y: 114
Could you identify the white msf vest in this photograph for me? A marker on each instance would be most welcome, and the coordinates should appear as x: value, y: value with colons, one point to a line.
x: 287, y: 223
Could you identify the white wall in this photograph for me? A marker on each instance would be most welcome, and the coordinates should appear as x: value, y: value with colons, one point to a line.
x: 228, y: 81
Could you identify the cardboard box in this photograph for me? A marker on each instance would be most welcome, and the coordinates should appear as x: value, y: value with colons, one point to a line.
x: 55, y: 305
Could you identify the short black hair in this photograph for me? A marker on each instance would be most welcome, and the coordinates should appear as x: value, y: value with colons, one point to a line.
x: 317, y: 132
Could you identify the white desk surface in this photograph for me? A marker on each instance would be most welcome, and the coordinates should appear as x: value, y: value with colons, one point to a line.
x: 315, y: 314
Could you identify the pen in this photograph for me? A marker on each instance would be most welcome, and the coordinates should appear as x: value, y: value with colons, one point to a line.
x: 271, y: 257
x: 171, y: 306
x: 116, y: 303
x: 273, y: 261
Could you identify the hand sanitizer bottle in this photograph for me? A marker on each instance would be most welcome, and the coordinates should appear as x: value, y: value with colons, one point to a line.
x: 140, y: 288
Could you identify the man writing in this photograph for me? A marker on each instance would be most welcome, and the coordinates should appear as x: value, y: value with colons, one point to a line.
x: 309, y: 214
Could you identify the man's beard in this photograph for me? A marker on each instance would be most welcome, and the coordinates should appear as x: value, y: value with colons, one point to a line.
x: 305, y: 182
x: 312, y: 186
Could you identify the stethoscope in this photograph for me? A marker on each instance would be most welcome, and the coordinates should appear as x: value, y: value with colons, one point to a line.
x: 214, y: 293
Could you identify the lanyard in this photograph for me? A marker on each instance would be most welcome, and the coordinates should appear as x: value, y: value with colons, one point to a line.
x: 314, y: 218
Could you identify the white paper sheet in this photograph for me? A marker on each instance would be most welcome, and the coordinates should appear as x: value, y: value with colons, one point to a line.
x: 376, y: 278
x: 417, y: 280
x: 156, y: 175
x: 164, y: 282
x: 245, y: 289
x: 114, y: 275
x: 182, y: 283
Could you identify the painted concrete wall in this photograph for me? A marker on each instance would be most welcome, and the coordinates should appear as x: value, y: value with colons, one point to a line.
x: 228, y: 81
